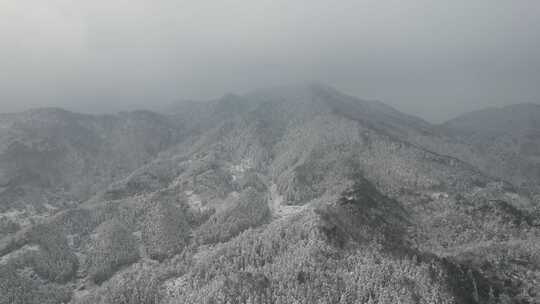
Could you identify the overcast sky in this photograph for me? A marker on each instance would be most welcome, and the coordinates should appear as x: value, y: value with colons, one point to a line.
x: 435, y: 59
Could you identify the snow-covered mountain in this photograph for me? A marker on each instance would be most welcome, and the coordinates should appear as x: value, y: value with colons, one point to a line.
x: 298, y: 194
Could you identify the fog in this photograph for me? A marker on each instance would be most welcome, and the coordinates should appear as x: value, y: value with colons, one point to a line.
x: 433, y: 59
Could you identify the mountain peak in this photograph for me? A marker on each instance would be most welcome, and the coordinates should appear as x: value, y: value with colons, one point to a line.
x: 298, y: 91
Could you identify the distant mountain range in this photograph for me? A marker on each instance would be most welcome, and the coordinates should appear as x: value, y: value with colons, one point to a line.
x: 298, y: 194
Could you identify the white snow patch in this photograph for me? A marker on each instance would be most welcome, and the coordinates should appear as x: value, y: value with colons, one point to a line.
x: 195, y: 202
x: 275, y: 203
x: 439, y: 195
x: 17, y: 253
x: 50, y: 207
x: 21, y: 217
x: 239, y: 169
x: 174, y: 285
x: 71, y: 238
x: 12, y: 214
x: 512, y: 195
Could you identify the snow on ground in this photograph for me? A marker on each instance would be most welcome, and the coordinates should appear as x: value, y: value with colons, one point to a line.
x: 239, y: 169
x: 13, y: 214
x: 439, y: 195
x: 17, y: 253
x: 277, y: 207
x: 195, y: 202
x: 173, y: 286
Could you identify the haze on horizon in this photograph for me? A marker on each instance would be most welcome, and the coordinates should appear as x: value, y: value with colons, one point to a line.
x: 431, y: 59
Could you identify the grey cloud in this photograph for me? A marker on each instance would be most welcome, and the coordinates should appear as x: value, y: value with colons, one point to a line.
x: 428, y: 58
